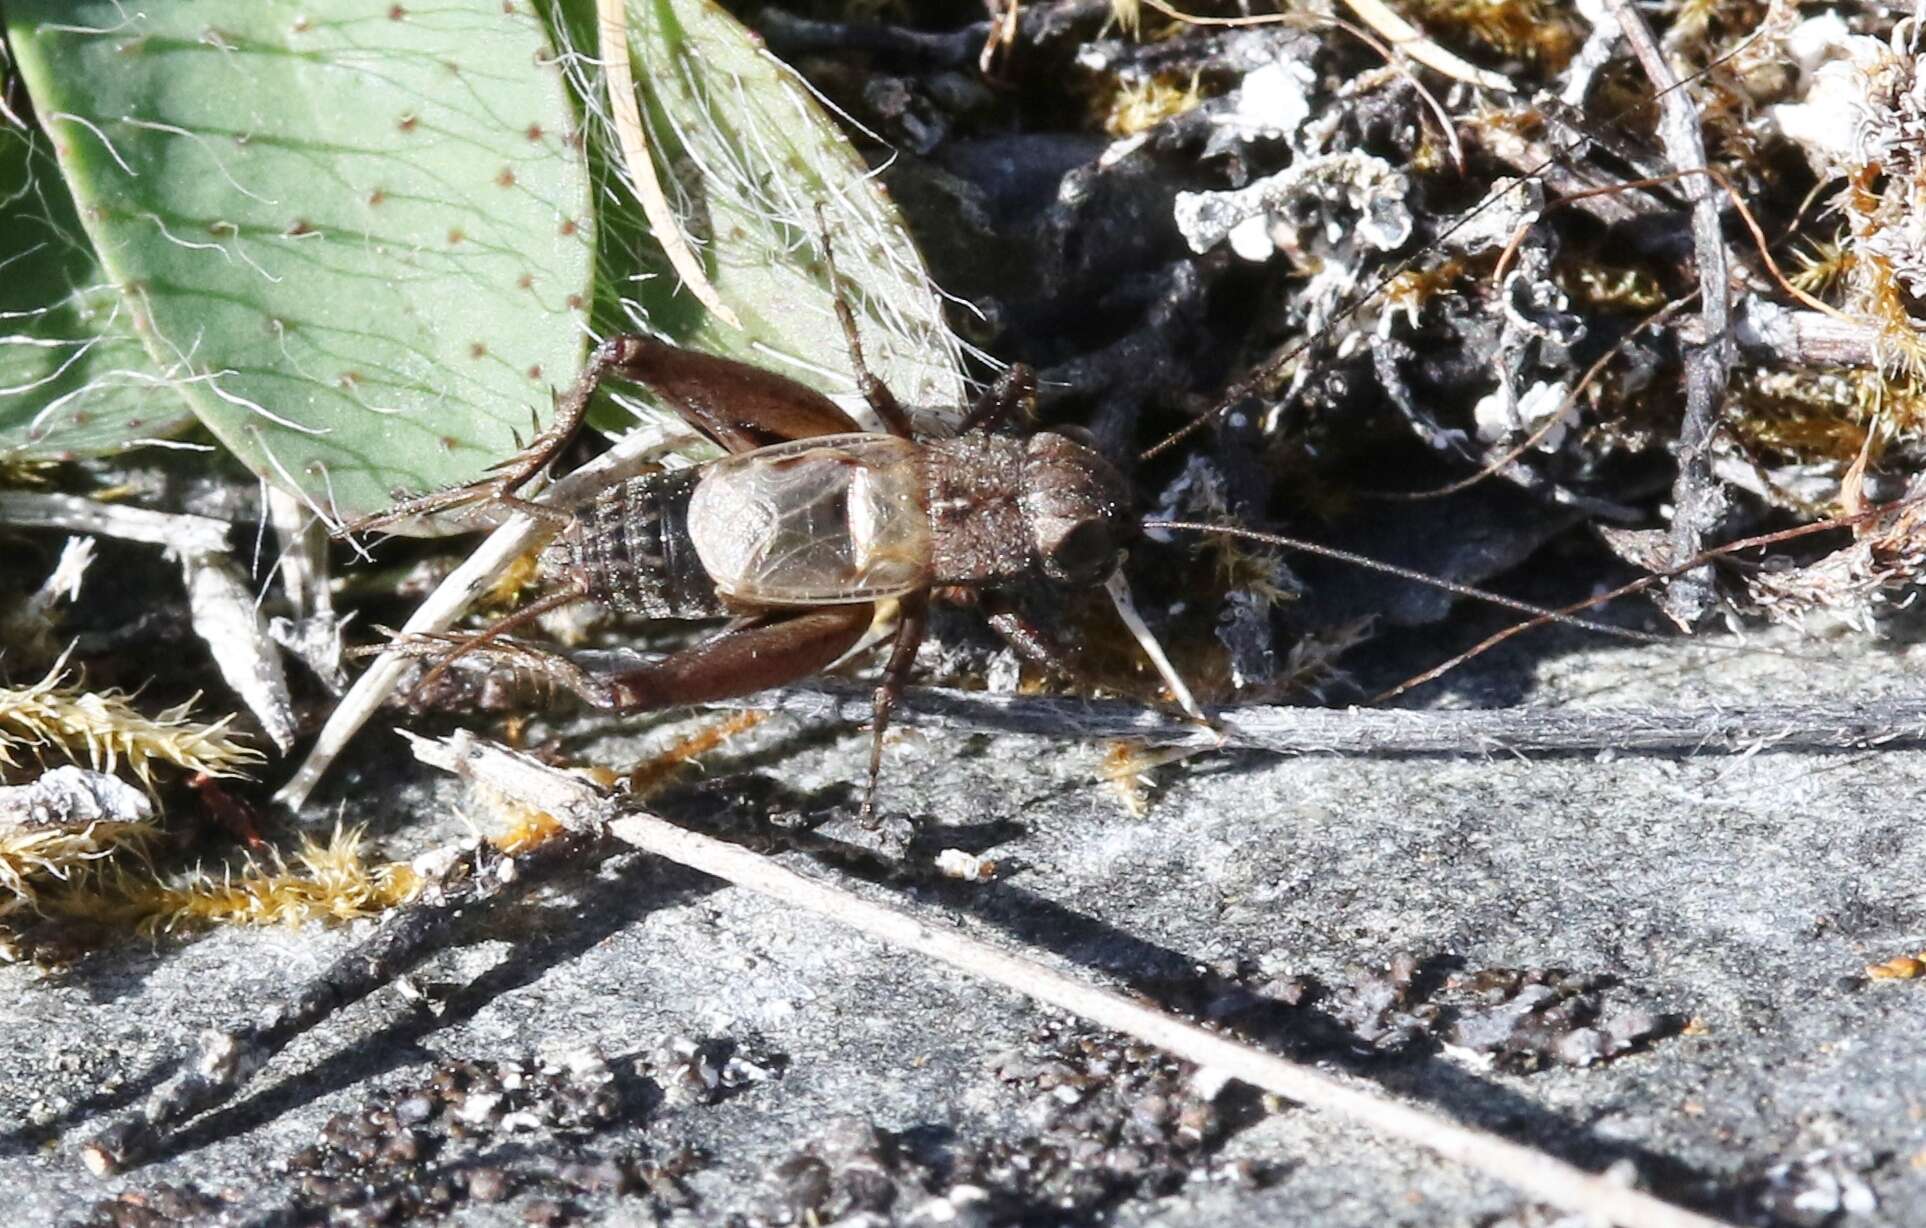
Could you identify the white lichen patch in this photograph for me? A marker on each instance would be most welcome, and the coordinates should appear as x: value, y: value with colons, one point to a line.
x: 1533, y: 412
x: 1272, y: 101
x: 1859, y: 115
x: 1324, y: 213
x: 1265, y: 216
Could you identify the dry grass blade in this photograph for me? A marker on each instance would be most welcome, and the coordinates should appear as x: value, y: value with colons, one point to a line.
x: 613, y: 28
x: 463, y: 587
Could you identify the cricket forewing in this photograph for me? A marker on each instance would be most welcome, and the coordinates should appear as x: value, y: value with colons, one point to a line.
x: 815, y: 522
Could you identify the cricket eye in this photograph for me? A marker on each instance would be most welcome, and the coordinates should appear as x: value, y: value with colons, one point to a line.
x: 1082, y: 554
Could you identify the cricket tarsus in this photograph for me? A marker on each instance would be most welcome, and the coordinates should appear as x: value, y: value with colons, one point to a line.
x: 912, y: 620
x: 504, y: 489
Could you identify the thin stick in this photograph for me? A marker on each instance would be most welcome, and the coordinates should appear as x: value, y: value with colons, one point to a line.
x: 1803, y: 338
x: 519, y: 534
x: 1698, y: 499
x: 1119, y: 590
x: 1552, y: 422
x: 1533, y: 1173
x: 612, y: 24
x: 1412, y: 41
x: 1355, y: 559
x: 178, y: 531
x: 1397, y: 64
x: 1376, y: 731
x: 1402, y: 35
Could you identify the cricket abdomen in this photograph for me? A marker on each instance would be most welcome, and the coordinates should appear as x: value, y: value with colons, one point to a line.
x: 631, y: 548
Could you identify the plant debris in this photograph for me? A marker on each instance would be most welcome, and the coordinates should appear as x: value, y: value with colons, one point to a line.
x: 105, y: 730
x: 55, y: 832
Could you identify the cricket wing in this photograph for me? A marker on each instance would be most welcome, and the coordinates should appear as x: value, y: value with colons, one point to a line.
x: 826, y: 521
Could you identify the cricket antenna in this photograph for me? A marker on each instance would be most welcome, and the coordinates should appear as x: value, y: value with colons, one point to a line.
x: 1545, y: 613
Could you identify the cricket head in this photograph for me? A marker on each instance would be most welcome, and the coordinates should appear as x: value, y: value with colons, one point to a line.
x: 1076, y: 509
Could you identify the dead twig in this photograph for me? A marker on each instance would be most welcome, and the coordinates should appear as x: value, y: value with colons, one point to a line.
x: 1378, y: 731
x: 1698, y: 498
x: 1790, y: 338
x: 475, y: 877
x: 219, y: 596
x: 1401, y: 34
x: 182, y: 533
x: 613, y: 28
x: 1412, y: 42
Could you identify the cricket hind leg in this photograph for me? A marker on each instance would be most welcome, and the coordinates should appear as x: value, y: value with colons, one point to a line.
x: 738, y: 406
x: 745, y: 657
x: 503, y: 489
x: 749, y: 655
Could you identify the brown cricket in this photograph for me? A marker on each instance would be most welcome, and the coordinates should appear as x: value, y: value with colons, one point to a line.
x: 811, y: 528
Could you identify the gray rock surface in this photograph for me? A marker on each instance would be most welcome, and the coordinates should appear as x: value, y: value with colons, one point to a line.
x: 1711, y: 918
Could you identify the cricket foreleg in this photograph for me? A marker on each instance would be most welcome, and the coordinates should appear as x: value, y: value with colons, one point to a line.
x: 1029, y: 638
x: 1038, y: 646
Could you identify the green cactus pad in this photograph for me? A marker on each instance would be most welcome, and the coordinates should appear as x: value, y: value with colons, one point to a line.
x: 356, y: 232
x: 74, y: 378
